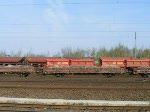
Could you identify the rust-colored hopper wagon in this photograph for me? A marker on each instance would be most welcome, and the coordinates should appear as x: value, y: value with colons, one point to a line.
x: 57, y: 66
x: 11, y: 61
x: 82, y: 66
x: 39, y: 61
x: 111, y: 66
x: 141, y: 67
x: 15, y: 65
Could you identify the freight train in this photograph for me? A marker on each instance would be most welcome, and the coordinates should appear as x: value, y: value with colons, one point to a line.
x: 23, y: 66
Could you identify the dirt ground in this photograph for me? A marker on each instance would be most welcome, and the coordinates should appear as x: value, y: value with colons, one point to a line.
x: 77, y: 81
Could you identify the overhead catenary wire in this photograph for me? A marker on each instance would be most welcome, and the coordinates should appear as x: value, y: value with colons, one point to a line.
x: 70, y: 31
x: 69, y: 24
x: 59, y: 37
x: 117, y: 2
x: 76, y: 3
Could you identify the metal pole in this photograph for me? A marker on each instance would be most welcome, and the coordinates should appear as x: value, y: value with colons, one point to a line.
x: 135, y: 46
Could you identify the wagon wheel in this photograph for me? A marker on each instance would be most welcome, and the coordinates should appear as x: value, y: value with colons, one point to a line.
x: 20, y: 75
x: 26, y: 74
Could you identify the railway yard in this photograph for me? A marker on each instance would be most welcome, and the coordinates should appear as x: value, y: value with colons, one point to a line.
x: 75, y: 56
x: 77, y: 87
x: 115, y: 84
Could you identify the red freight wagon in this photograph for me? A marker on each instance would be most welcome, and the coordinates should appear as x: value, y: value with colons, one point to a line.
x: 119, y: 63
x: 138, y: 63
x: 57, y: 62
x: 82, y: 62
x: 10, y: 60
x: 38, y: 61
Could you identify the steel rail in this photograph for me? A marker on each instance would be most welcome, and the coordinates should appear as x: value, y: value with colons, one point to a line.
x: 13, y: 110
x: 79, y: 81
x: 68, y: 88
x: 77, y: 107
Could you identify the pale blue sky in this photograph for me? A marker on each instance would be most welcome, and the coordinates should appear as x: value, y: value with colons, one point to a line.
x: 55, y: 25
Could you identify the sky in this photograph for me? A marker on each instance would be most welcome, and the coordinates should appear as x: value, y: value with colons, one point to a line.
x: 47, y: 26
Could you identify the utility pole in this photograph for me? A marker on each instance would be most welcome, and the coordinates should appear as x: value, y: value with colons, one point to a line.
x: 135, y: 46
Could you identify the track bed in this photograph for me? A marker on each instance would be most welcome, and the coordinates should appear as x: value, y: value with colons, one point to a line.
x: 77, y: 87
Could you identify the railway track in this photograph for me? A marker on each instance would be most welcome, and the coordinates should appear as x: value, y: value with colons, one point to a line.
x: 68, y: 88
x: 47, y: 104
x: 35, y: 108
x: 13, y: 110
x: 76, y: 81
x: 75, y: 76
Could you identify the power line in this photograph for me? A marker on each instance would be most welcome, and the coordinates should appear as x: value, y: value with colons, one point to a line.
x: 68, y: 24
x: 48, y: 37
x: 76, y: 3
x: 63, y: 37
x: 23, y: 4
x: 117, y: 2
x: 73, y: 31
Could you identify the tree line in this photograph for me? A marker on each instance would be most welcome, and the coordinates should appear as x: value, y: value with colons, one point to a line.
x: 117, y: 51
